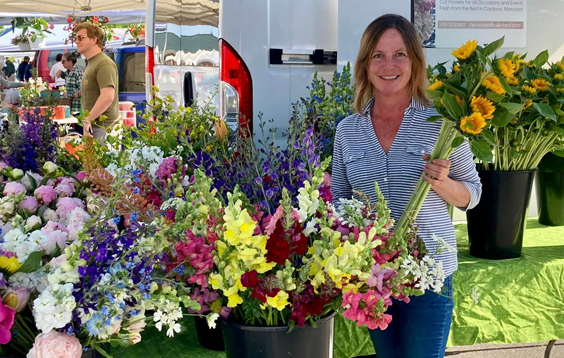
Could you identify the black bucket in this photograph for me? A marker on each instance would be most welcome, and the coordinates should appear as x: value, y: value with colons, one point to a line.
x: 550, y: 190
x: 497, y: 224
x: 242, y: 341
x: 208, y: 338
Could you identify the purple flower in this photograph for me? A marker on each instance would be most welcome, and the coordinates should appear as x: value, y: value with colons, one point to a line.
x: 258, y: 180
x: 166, y: 169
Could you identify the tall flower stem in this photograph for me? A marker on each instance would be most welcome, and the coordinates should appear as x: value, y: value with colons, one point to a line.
x: 443, y: 149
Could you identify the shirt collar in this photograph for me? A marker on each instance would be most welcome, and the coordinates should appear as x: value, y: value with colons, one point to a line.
x: 413, y: 105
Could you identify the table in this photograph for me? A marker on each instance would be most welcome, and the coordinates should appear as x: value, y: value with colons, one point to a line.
x: 509, y: 301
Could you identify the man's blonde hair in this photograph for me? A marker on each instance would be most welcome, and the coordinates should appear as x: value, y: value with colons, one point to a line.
x: 370, y: 37
x: 93, y: 31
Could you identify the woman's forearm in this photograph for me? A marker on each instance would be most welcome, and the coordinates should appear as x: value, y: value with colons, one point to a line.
x: 454, y: 192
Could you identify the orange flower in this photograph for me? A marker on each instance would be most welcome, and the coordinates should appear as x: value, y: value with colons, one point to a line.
x: 466, y: 50
x: 528, y: 103
x: 472, y: 124
x: 483, y: 106
x: 513, y: 81
x: 506, y: 67
x: 456, y: 69
x: 492, y: 83
x: 540, y: 84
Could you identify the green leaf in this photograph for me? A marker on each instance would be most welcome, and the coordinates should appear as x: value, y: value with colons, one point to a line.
x: 505, y: 85
x: 528, y: 74
x: 509, y: 55
x: 493, y: 47
x: 435, y: 95
x: 33, y: 182
x: 557, y: 129
x: 457, y: 142
x: 434, y: 119
x: 481, y: 150
x: 44, y: 181
x: 545, y: 110
x: 442, y: 70
x: 512, y: 108
x: 559, y: 152
x: 452, y: 106
x: 501, y: 117
x: 33, y: 262
x: 291, y: 326
x: 541, y: 58
x: 41, y: 210
x: 494, y: 97
x: 489, y: 136
x: 459, y: 90
x: 456, y: 79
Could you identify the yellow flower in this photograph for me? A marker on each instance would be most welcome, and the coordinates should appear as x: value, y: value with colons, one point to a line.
x: 528, y: 103
x: 473, y: 123
x: 220, y: 129
x: 512, y: 80
x: 506, y: 67
x: 234, y: 300
x: 466, y: 50
x: 279, y: 301
x: 436, y: 85
x: 492, y: 83
x: 10, y: 264
x: 560, y: 90
x: 456, y: 69
x: 216, y: 281
x: 459, y: 100
x: 483, y: 106
x: 560, y: 65
x: 518, y: 61
x: 540, y: 84
x: 559, y: 76
x: 529, y: 89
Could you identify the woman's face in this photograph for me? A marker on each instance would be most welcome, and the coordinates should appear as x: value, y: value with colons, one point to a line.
x: 67, y: 64
x: 390, y: 68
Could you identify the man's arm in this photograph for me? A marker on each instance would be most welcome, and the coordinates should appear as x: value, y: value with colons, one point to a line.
x: 102, y: 104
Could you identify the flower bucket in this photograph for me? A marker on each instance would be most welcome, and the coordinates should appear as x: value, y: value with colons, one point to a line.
x: 242, y: 341
x: 497, y: 224
x: 24, y: 46
x: 550, y: 190
x: 211, y: 339
x: 38, y: 43
x: 59, y: 112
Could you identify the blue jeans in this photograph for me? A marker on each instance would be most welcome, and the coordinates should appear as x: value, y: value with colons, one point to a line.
x: 419, y: 329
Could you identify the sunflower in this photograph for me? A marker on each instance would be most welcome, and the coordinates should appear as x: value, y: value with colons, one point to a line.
x: 10, y: 264
x: 436, y: 85
x: 492, y: 83
x: 528, y: 103
x: 518, y: 61
x: 513, y: 81
x: 560, y: 65
x: 459, y: 100
x: 455, y: 69
x: 506, y: 67
x: 529, y: 89
x: 560, y: 90
x: 559, y: 76
x: 473, y: 123
x: 466, y: 50
x: 540, y: 84
x: 483, y: 106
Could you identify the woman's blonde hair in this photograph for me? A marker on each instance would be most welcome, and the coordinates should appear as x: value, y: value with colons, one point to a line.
x: 370, y: 37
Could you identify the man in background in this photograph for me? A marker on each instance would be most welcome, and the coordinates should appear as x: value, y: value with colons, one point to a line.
x: 22, y: 68
x: 57, y: 79
x: 10, y: 70
x: 99, y: 83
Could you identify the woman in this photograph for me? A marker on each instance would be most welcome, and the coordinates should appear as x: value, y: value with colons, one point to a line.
x: 74, y: 80
x: 389, y: 141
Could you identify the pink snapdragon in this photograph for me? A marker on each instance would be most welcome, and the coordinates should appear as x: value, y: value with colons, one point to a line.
x: 203, y: 297
x: 200, y: 256
x: 361, y: 308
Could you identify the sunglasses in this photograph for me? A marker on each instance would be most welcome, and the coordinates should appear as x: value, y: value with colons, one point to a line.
x: 80, y: 37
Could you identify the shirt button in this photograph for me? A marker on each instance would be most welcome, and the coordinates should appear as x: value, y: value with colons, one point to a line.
x: 385, y: 179
x: 351, y: 158
x: 423, y: 152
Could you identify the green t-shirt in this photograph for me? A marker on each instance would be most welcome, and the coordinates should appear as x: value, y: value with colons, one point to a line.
x: 101, y: 72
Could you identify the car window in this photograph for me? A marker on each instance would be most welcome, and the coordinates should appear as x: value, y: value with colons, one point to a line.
x: 132, y: 74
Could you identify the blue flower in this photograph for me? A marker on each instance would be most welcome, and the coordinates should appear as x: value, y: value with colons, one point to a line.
x: 96, y: 325
x: 117, y: 220
x: 136, y: 190
x: 134, y: 216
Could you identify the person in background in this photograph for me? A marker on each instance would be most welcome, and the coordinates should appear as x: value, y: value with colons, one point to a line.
x: 4, y: 83
x: 388, y: 141
x: 28, y: 74
x: 57, y: 79
x: 73, y: 81
x: 22, y: 68
x: 99, y: 84
x: 9, y: 70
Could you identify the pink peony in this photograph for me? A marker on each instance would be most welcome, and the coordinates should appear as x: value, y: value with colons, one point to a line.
x: 57, y: 262
x: 66, y: 181
x: 57, y: 238
x: 80, y: 176
x: 45, y: 194
x: 14, y: 188
x: 29, y: 204
x: 64, y: 190
x: 7, y: 315
x: 52, y: 226
x: 3, y: 165
x: 55, y: 345
x: 66, y: 205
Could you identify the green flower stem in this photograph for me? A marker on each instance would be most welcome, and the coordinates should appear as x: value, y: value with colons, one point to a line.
x: 443, y: 149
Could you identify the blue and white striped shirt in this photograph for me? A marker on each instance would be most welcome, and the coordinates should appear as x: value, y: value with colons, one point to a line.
x: 359, y: 161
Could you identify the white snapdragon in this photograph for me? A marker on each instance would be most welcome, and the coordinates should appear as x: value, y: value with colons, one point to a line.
x: 211, y: 319
x: 167, y: 316
x: 308, y: 200
x: 310, y: 227
x: 54, y: 306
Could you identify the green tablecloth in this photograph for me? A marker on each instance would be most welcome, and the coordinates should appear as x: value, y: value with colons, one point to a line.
x: 509, y: 301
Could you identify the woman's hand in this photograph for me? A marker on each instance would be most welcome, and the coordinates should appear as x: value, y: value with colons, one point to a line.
x: 436, y: 173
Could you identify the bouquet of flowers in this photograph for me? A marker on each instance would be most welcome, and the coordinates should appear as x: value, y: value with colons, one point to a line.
x: 21, y: 38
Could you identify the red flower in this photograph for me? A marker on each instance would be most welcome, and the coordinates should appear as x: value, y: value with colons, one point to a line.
x: 69, y: 19
x: 106, y: 20
x: 249, y: 279
x: 277, y: 247
x: 95, y: 19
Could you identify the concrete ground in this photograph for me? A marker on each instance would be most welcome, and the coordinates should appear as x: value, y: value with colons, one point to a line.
x: 529, y: 350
